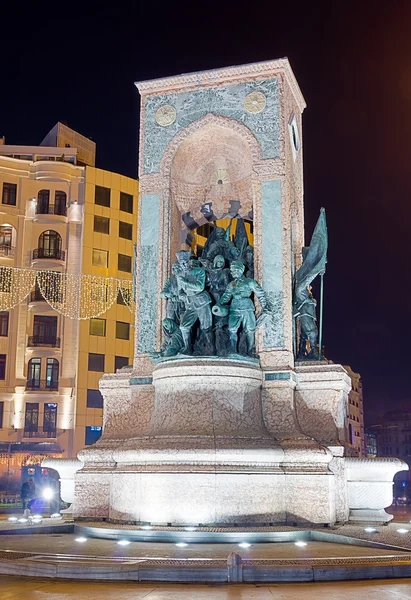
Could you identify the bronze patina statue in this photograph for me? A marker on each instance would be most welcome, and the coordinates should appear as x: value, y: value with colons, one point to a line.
x: 191, y: 282
x: 241, y: 311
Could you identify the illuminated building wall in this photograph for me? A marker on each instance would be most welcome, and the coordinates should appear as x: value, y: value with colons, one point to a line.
x: 49, y: 364
x: 356, y: 435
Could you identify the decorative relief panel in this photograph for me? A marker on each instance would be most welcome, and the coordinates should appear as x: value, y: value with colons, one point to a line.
x: 235, y: 101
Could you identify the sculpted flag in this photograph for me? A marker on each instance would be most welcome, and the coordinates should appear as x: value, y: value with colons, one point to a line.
x: 315, y: 256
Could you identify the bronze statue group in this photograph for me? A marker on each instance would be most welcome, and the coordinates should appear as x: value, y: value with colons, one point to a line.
x: 210, y: 308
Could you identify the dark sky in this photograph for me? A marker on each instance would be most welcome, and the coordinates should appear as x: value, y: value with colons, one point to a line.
x: 353, y: 63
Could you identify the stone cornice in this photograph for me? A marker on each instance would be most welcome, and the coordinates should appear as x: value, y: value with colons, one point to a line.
x: 227, y: 74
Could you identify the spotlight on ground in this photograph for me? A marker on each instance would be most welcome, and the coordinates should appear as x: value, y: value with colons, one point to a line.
x: 146, y: 527
x: 402, y: 530
x: 12, y: 519
x: 181, y: 544
x: 301, y: 544
x: 22, y: 520
x: 370, y: 529
x: 81, y: 540
x: 123, y: 542
x: 189, y: 528
x: 244, y: 545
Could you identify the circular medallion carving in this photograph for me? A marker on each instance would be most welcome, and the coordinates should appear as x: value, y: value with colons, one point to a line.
x: 166, y: 115
x: 255, y: 102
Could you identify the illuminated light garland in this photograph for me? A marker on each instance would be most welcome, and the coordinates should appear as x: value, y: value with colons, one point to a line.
x: 127, y: 292
x: 79, y: 296
x: 15, y: 286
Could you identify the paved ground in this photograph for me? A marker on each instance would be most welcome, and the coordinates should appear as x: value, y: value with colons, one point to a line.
x: 12, y: 588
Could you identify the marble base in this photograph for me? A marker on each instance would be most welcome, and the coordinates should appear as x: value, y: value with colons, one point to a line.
x: 222, y: 442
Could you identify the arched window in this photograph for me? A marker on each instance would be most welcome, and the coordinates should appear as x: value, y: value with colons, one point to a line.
x: 43, y: 199
x: 34, y: 373
x: 49, y: 245
x: 60, y: 203
x: 52, y: 374
x: 7, y: 240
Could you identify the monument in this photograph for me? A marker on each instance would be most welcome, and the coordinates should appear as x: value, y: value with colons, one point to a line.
x: 228, y: 414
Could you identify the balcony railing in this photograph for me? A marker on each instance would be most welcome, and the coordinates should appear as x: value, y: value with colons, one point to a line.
x: 42, y: 384
x: 44, y: 340
x: 39, y: 432
x: 51, y: 209
x: 7, y: 250
x: 47, y: 253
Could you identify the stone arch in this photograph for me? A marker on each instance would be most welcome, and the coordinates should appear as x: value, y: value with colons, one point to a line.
x: 206, y: 121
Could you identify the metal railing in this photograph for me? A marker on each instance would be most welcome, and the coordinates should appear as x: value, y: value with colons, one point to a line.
x: 42, y: 384
x: 44, y: 340
x: 51, y: 209
x: 7, y: 250
x: 47, y: 253
x: 39, y: 432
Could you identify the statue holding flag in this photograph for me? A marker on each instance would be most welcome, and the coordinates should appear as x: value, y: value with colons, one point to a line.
x: 304, y: 304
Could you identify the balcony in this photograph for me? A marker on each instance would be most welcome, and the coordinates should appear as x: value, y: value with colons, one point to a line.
x: 50, y: 341
x: 7, y: 250
x: 49, y: 254
x: 51, y: 209
x: 40, y: 432
x: 42, y: 384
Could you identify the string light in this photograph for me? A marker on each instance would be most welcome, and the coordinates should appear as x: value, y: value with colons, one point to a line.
x: 74, y: 296
x: 15, y: 285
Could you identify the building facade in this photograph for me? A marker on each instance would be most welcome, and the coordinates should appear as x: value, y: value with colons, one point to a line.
x: 356, y: 435
x: 58, y: 215
x: 393, y: 433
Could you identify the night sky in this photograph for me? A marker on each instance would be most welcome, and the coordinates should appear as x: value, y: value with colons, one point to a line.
x: 353, y: 64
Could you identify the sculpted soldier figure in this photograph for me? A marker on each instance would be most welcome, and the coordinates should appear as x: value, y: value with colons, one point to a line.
x: 241, y: 310
x: 305, y: 311
x: 218, y: 277
x: 218, y: 244
x: 191, y: 287
x: 174, y: 307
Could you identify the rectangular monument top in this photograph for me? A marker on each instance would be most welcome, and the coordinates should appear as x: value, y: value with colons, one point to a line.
x: 198, y: 79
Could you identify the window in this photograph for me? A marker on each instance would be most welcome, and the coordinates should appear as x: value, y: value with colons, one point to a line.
x: 122, y: 330
x: 60, y: 202
x: 50, y: 418
x: 2, y: 366
x: 124, y: 263
x: 101, y: 224
x: 126, y: 202
x: 96, y: 362
x: 43, y: 200
x: 94, y: 399
x: 120, y: 299
x: 100, y: 258
x: 1, y: 414
x: 98, y: 327
x: 120, y: 362
x: 49, y: 245
x: 52, y: 374
x: 205, y: 230
x: 34, y: 373
x: 4, y: 323
x: 45, y: 329
x: 6, y: 236
x: 125, y: 230
x: 9, y: 193
x: 102, y: 196
x: 31, y: 420
x: 93, y: 433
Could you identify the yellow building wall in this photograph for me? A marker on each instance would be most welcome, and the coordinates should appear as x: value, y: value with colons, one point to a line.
x: 200, y: 240
x: 108, y: 345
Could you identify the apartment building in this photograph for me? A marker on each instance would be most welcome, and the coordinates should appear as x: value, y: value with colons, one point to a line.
x: 58, y: 213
